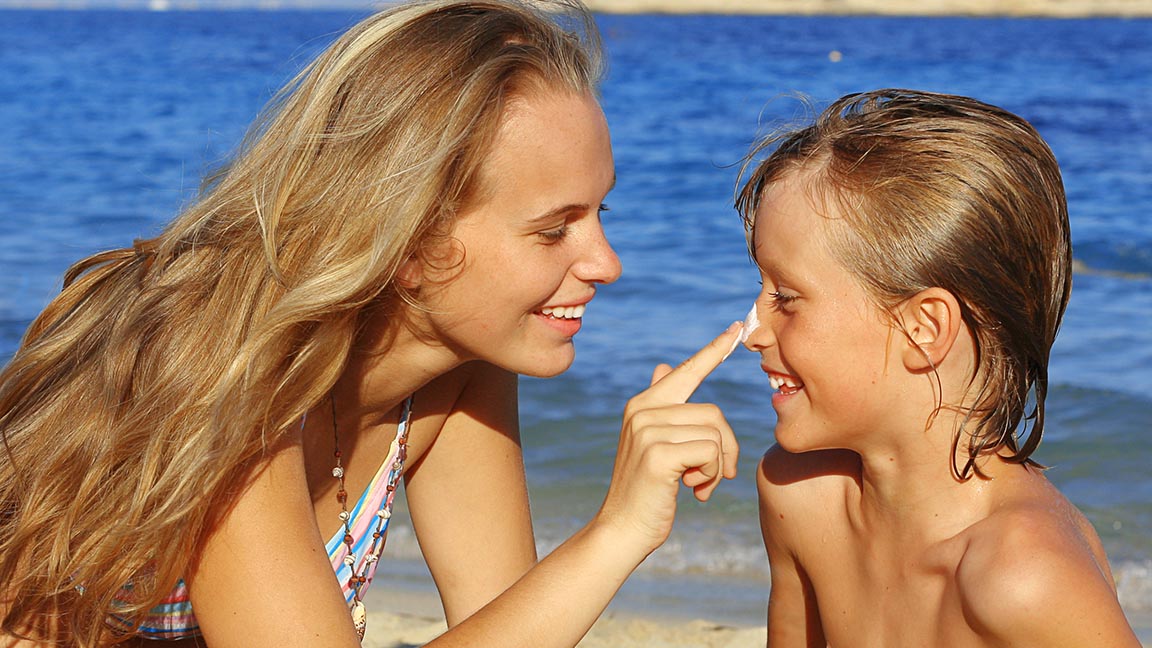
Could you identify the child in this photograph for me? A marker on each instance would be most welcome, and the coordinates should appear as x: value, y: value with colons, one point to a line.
x: 915, y: 259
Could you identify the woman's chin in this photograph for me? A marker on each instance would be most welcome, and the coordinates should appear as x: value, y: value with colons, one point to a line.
x: 546, y: 364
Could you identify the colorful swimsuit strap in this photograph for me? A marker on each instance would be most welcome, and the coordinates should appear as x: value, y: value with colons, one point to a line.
x: 173, y: 617
x: 368, y: 520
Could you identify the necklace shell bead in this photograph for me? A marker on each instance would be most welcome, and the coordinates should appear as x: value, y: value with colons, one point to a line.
x: 359, y: 617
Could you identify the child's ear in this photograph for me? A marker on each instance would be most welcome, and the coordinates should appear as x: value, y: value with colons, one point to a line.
x: 931, y: 320
x: 411, y: 273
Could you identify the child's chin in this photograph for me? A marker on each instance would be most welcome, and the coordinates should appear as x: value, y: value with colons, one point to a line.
x: 792, y: 439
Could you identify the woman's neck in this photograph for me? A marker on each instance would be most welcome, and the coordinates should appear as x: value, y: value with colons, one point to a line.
x: 385, y: 368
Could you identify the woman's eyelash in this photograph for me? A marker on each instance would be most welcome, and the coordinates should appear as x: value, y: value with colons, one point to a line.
x: 554, y: 235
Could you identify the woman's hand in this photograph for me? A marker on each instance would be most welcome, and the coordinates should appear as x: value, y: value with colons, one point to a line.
x: 664, y: 441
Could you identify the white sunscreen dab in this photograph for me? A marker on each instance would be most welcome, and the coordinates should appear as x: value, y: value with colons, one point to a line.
x: 751, y: 323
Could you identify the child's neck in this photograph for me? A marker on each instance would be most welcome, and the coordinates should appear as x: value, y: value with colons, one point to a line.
x: 911, y: 488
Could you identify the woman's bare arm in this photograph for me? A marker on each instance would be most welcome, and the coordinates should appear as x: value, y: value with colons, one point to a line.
x: 664, y: 442
x: 264, y: 579
x: 468, y: 498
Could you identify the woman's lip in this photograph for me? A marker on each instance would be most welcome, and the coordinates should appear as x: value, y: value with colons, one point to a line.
x: 567, y: 327
x: 578, y: 302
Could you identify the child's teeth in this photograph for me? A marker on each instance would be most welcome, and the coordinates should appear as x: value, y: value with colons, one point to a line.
x: 777, y: 382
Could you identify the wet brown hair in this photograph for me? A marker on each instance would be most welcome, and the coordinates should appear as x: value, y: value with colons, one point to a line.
x: 946, y: 191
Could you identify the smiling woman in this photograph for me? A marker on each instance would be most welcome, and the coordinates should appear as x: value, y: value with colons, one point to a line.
x: 532, y: 241
x: 204, y: 427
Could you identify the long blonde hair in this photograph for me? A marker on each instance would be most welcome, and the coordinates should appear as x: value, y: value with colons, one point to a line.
x: 143, y: 394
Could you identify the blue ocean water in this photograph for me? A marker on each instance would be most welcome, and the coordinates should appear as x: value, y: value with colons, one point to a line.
x: 108, y: 120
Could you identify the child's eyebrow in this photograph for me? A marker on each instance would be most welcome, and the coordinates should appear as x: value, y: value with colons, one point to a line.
x: 769, y: 269
x: 763, y: 262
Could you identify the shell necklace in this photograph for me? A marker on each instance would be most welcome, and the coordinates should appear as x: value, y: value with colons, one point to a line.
x: 362, y: 574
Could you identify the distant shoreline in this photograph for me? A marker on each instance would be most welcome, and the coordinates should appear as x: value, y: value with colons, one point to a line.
x: 1015, y: 8
x: 1005, y: 8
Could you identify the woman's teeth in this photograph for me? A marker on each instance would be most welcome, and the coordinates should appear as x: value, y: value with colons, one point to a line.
x: 564, y: 312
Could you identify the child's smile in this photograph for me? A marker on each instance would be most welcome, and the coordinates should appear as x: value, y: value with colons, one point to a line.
x: 786, y: 385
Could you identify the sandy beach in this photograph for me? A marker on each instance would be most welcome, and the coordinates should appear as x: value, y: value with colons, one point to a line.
x: 411, y: 618
x: 1052, y: 8
x: 610, y: 632
x: 406, y: 619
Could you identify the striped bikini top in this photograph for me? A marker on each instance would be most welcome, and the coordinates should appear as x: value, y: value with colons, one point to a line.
x: 173, y: 617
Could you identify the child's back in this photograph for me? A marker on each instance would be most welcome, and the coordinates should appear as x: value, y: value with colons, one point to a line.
x: 915, y: 257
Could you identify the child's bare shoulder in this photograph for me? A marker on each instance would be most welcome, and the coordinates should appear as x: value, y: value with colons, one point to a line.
x: 1034, y: 570
x: 799, y: 482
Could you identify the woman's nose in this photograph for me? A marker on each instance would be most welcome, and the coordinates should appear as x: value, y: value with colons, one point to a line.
x: 599, y: 263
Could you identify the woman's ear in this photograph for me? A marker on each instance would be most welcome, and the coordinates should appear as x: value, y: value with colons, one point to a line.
x: 411, y: 273
x: 931, y: 320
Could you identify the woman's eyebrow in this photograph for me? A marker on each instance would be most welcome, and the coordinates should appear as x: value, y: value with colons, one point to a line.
x: 557, y: 211
x: 563, y: 209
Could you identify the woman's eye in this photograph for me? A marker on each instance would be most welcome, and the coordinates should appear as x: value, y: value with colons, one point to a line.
x: 604, y: 207
x: 554, y: 235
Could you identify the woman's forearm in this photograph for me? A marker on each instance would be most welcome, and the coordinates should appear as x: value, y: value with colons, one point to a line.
x: 557, y: 601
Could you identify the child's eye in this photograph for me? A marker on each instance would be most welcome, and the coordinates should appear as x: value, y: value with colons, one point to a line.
x: 604, y: 208
x: 780, y: 300
x: 554, y: 235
